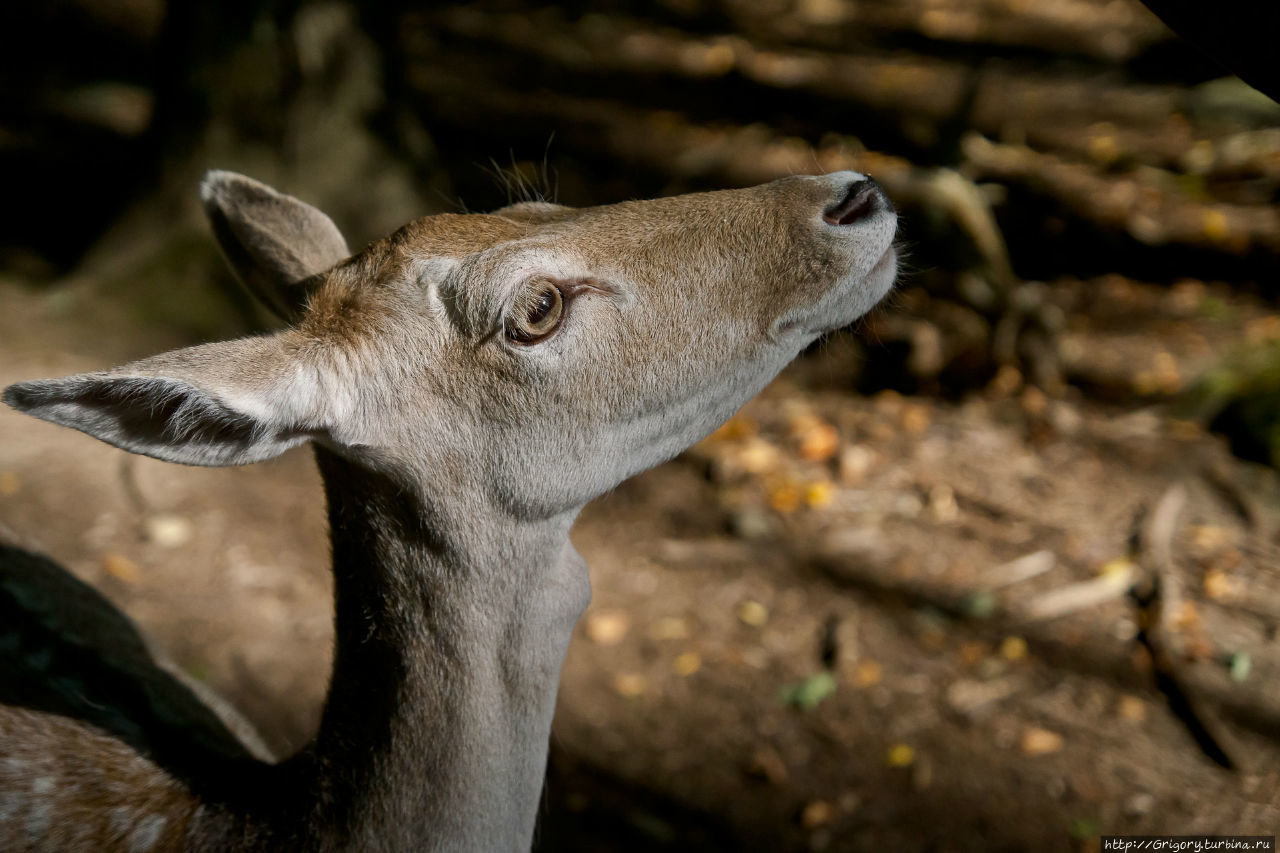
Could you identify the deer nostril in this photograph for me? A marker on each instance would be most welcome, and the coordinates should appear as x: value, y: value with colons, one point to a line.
x: 861, y: 200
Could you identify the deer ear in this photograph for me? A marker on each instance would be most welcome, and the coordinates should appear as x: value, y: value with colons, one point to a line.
x: 272, y: 241
x: 217, y: 404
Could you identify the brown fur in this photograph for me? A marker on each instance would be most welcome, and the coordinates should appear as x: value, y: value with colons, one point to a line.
x: 90, y: 793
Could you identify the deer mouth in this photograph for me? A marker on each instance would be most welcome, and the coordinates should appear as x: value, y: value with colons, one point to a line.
x: 849, y: 299
x: 875, y: 284
x: 886, y: 267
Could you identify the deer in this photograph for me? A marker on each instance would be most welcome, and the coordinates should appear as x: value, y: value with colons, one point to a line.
x: 467, y: 385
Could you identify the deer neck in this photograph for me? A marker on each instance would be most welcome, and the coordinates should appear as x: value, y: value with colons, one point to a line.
x: 451, y: 629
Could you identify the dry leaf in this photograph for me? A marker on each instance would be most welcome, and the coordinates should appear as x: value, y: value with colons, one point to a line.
x: 915, y: 418
x: 785, y: 498
x: 607, y: 627
x: 1132, y: 708
x: 1038, y: 741
x: 121, y: 568
x: 819, y: 442
x: 1013, y: 648
x: 752, y: 613
x: 855, y: 463
x: 819, y: 494
x: 169, y: 531
x: 736, y: 428
x: 867, y: 674
x: 687, y: 663
x: 630, y: 684
x: 669, y: 628
x: 817, y: 813
x: 900, y: 755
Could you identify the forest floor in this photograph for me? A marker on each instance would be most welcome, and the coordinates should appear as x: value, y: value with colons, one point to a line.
x: 841, y: 623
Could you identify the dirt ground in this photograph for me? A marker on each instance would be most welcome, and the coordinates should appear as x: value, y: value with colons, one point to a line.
x: 841, y: 623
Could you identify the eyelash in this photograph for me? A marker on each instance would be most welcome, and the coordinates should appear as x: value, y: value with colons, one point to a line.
x: 566, y: 294
x: 542, y: 297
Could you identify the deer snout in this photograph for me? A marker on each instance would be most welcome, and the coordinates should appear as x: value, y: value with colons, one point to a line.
x: 857, y: 199
x: 857, y: 230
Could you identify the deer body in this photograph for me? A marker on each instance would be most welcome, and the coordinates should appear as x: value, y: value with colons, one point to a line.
x: 469, y: 383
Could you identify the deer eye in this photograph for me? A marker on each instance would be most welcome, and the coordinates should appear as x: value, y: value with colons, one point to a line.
x: 536, y: 313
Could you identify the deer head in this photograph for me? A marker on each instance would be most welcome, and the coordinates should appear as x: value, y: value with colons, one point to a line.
x: 533, y: 357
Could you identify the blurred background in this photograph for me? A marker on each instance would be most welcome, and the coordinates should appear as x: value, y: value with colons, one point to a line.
x: 891, y: 605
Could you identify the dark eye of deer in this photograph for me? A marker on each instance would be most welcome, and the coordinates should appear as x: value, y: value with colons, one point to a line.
x: 536, y: 314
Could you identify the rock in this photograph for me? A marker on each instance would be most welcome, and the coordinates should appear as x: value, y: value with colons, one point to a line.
x: 1139, y: 805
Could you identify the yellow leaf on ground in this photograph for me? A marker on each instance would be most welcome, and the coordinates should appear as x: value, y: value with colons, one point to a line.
x: 1132, y: 708
x: 687, y: 663
x: 867, y: 673
x: 1013, y: 648
x: 1218, y: 584
x: 900, y: 755
x: 915, y: 418
x: 819, y: 494
x: 819, y: 441
x: 1216, y: 225
x: 121, y: 568
x: 736, y: 428
x: 784, y: 498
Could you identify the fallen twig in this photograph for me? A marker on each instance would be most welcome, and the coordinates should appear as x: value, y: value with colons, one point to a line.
x: 1156, y: 593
